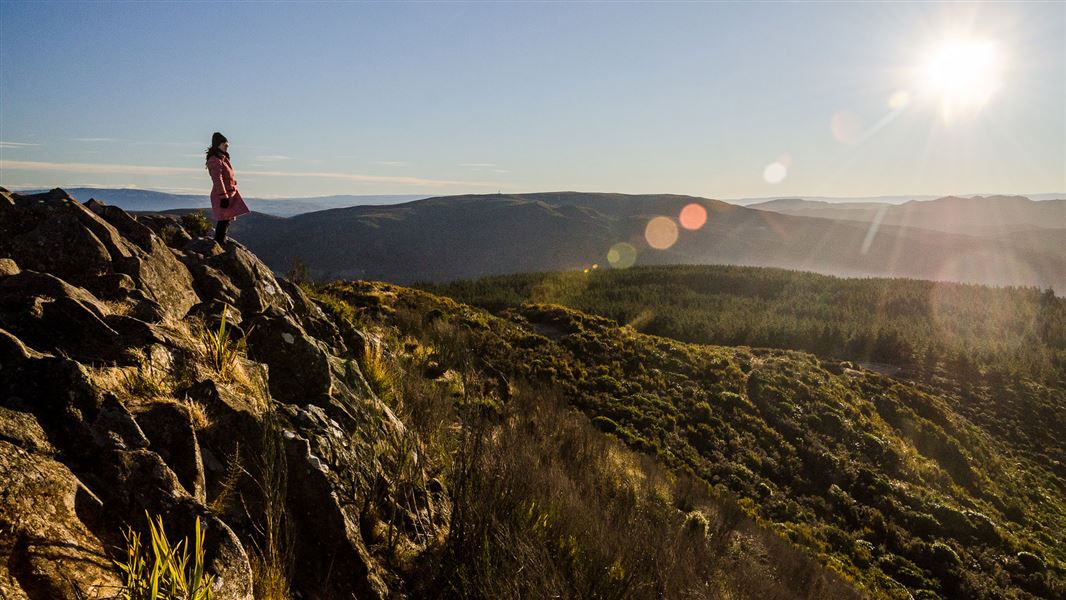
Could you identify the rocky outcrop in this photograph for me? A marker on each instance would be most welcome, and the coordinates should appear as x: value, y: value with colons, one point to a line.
x: 110, y: 409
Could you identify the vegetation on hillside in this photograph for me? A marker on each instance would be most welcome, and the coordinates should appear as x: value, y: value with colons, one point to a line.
x: 542, y: 503
x: 883, y: 481
x: 998, y: 355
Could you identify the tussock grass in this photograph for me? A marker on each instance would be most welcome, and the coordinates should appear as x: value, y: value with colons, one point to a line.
x: 160, y: 570
x: 377, y: 370
x: 220, y: 349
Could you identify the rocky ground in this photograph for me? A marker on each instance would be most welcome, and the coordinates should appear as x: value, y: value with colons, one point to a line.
x: 111, y: 407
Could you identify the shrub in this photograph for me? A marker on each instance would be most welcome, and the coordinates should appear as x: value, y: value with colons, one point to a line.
x: 163, y: 571
x: 168, y: 233
x: 696, y: 524
x: 1031, y: 561
x: 196, y: 223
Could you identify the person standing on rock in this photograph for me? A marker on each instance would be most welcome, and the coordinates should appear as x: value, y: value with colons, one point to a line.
x: 226, y: 201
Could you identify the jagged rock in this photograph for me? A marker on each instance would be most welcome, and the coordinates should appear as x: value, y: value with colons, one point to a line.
x: 145, y: 308
x: 8, y: 267
x: 333, y: 543
x: 22, y: 430
x: 53, y: 316
x: 124, y: 223
x: 259, y: 290
x: 235, y: 432
x: 114, y: 426
x: 212, y: 285
x: 170, y: 432
x: 120, y: 282
x: 167, y: 228
x: 299, y: 367
x: 163, y: 278
x: 81, y: 288
x: 204, y: 247
x: 49, y: 543
x: 135, y: 332
x: 313, y: 319
x: 54, y: 233
x: 144, y: 482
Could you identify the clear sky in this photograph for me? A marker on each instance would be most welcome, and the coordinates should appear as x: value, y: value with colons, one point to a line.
x: 722, y: 100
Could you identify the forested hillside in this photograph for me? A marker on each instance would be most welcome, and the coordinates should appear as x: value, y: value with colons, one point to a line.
x: 998, y: 354
x: 887, y: 482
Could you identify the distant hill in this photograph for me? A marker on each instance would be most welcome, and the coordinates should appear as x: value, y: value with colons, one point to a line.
x: 154, y: 201
x: 876, y: 199
x: 457, y: 237
x: 979, y: 215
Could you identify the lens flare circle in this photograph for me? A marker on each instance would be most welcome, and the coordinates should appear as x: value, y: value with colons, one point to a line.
x: 621, y: 256
x: 775, y: 172
x: 899, y: 100
x: 693, y: 216
x: 661, y: 233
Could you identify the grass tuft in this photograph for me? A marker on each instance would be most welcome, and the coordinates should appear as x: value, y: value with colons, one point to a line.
x: 147, y: 381
x: 377, y: 370
x: 220, y: 349
x: 165, y: 571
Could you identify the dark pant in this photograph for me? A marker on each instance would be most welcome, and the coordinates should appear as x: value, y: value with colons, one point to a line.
x: 220, y: 231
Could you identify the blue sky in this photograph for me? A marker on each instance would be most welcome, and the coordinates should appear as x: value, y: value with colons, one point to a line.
x: 723, y: 100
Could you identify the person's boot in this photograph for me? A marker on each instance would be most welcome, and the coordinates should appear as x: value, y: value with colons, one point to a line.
x: 220, y: 232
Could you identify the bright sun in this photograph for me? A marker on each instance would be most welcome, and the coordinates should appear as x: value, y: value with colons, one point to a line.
x: 963, y: 74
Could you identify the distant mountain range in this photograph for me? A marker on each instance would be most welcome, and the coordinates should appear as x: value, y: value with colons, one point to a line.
x: 155, y: 201
x: 979, y: 215
x: 456, y: 237
x: 881, y: 199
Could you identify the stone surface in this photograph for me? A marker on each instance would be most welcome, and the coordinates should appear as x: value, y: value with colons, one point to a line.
x: 87, y: 449
x: 170, y: 432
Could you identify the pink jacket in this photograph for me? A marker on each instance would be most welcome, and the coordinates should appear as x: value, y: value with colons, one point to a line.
x: 224, y: 185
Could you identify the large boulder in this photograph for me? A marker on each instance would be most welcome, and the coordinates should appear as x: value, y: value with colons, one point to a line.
x: 52, y: 232
x: 53, y: 316
x: 52, y: 540
x: 259, y: 289
x: 299, y: 364
x: 171, y: 433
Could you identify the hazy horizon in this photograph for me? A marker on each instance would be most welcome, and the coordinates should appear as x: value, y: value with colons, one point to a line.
x: 719, y: 100
x: 891, y: 199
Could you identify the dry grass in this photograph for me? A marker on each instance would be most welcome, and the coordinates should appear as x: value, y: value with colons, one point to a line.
x: 146, y: 380
x: 376, y: 368
x: 197, y: 413
x: 272, y: 555
x: 116, y: 307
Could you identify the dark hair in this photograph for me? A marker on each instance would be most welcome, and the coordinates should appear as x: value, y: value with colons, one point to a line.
x: 217, y: 139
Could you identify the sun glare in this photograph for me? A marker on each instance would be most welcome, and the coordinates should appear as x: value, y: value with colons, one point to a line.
x: 963, y: 74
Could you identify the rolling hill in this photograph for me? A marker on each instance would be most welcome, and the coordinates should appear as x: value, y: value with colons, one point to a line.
x: 456, y: 237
